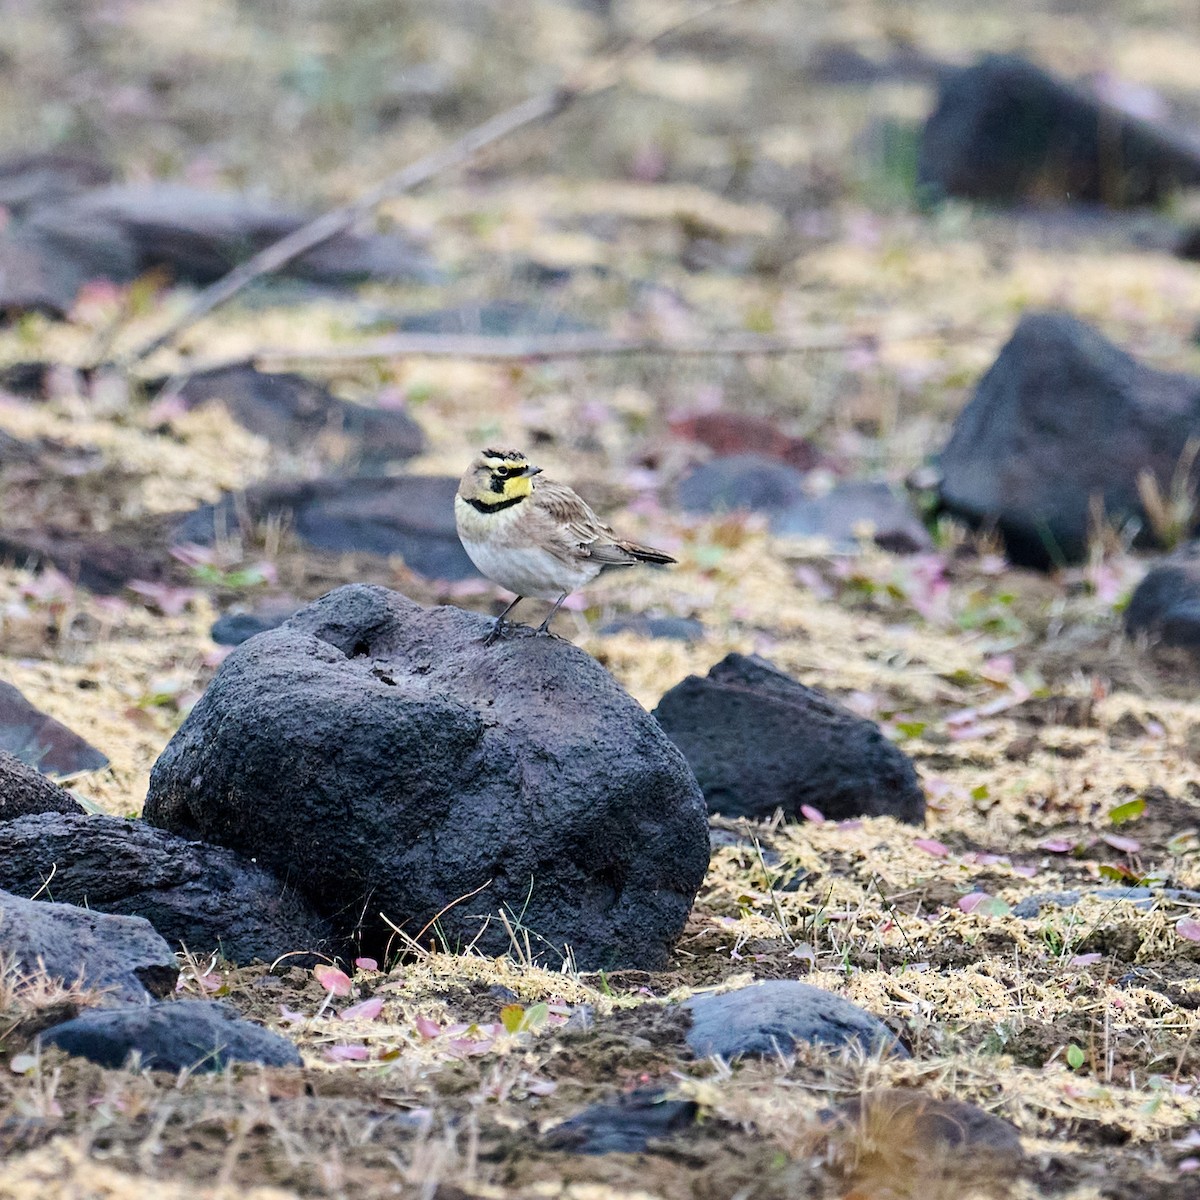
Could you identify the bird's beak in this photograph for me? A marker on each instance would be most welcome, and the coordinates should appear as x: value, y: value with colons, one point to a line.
x: 530, y: 470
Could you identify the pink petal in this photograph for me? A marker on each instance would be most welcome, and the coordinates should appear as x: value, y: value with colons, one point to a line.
x: 1025, y: 872
x: 470, y: 1046
x: 931, y: 846
x: 291, y: 1015
x: 365, y: 1010
x: 1056, y: 845
x: 971, y: 902
x: 427, y: 1028
x: 332, y: 979
x: 541, y: 1087
x: 366, y: 964
x: 1117, y: 841
x: 351, y: 1053
x: 815, y: 815
x: 1085, y: 960
x: 1188, y: 927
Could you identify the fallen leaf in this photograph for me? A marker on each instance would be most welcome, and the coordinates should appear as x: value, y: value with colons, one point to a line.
x: 931, y: 846
x: 364, y: 1010
x: 1117, y: 841
x: 334, y: 980
x: 427, y: 1028
x: 366, y: 964
x: 1189, y: 928
x: 355, y: 1052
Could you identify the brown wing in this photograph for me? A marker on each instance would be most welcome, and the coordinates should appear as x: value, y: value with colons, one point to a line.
x: 572, y: 524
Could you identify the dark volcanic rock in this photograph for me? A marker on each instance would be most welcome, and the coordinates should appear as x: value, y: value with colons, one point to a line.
x: 388, y: 761
x: 852, y: 510
x: 292, y: 411
x: 1005, y: 130
x: 408, y: 516
x: 1064, y: 416
x: 740, y: 481
x: 1165, y: 606
x: 102, y: 562
x: 752, y: 483
x: 626, y: 1126
x: 758, y: 740
x: 121, y: 955
x: 200, y: 235
x: 197, y: 1035
x: 25, y: 790
x: 40, y: 740
x: 675, y: 629
x: 30, y: 179
x: 202, y: 897
x: 766, y: 1019
x: 233, y: 628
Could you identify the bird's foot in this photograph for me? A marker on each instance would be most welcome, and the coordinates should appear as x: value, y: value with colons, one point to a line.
x: 498, y: 631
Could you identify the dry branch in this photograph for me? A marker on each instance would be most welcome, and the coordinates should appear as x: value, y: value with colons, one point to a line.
x: 562, y: 345
x: 328, y: 225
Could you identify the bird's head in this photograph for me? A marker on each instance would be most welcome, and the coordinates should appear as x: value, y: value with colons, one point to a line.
x: 498, y: 475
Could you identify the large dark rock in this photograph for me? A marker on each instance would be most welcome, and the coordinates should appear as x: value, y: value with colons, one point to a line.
x: 122, y: 956
x: 292, y: 411
x: 200, y: 235
x: 748, y: 482
x: 1006, y: 131
x: 389, y: 762
x: 200, y: 897
x: 758, y: 740
x: 102, y: 562
x: 1165, y: 607
x: 1061, y: 420
x: 406, y: 516
x: 30, y: 179
x: 766, y: 1019
x: 39, y: 740
x: 24, y: 790
x: 195, y: 1035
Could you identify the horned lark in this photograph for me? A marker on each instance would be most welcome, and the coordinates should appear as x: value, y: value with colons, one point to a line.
x: 533, y: 536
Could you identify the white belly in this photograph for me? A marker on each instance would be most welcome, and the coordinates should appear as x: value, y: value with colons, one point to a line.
x: 528, y: 571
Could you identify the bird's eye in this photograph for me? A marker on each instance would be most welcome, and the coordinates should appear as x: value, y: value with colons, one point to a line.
x: 502, y: 472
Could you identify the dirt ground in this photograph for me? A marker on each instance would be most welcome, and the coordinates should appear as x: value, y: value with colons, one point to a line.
x: 727, y: 185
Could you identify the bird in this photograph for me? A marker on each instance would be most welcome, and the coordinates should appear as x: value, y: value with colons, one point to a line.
x: 535, y: 537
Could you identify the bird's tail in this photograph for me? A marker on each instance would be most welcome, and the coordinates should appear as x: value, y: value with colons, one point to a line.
x: 646, y: 554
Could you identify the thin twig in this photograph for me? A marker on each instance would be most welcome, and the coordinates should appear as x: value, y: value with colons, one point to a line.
x: 329, y: 225
x: 563, y: 345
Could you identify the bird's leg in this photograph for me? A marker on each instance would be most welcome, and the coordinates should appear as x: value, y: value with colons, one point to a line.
x: 498, y: 628
x: 544, y: 627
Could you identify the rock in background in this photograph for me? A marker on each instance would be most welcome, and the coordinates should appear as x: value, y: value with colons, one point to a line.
x: 758, y: 740
x: 1062, y: 417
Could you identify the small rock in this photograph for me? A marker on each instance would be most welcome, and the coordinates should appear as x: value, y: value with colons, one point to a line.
x: 627, y: 1126
x: 292, y: 411
x: 233, y: 628
x: 1165, y: 606
x: 385, y: 760
x: 24, y: 790
x: 178, y: 1035
x: 1006, y: 131
x: 854, y: 510
x: 675, y: 629
x: 40, y: 740
x: 757, y: 740
x: 771, y: 1018
x: 1061, y: 417
x: 405, y: 516
x: 740, y: 482
x: 203, y: 898
x: 122, y: 956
